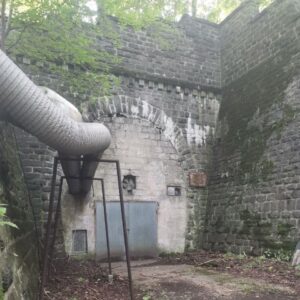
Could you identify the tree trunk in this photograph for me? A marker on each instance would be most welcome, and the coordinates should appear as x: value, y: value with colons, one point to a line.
x: 2, y: 24
x: 194, y: 8
x: 100, y: 12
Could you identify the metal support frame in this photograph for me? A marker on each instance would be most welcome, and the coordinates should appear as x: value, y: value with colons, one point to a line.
x: 48, y: 253
x: 47, y: 237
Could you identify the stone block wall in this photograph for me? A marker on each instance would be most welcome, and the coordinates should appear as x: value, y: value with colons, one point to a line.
x: 187, y: 105
x: 37, y: 162
x: 253, y: 201
x: 184, y: 52
x: 175, y: 81
x: 19, y: 250
x: 250, y: 38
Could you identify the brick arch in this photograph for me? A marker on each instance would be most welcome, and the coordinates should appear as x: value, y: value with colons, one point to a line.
x: 125, y: 106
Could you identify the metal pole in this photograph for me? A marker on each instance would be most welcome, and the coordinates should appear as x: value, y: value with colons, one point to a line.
x: 50, y: 212
x: 48, y: 229
x: 124, y: 229
x: 55, y: 224
x: 106, y: 227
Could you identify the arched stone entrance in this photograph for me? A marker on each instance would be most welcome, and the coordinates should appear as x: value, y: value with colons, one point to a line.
x: 149, y: 147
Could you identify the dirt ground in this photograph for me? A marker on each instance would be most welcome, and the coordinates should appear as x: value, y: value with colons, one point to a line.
x: 196, y: 276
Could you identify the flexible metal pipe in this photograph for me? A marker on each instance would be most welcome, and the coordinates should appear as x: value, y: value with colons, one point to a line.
x: 27, y: 106
x: 71, y: 168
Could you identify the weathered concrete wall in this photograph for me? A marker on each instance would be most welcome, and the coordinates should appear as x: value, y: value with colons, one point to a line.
x: 19, y: 268
x: 254, y: 192
x: 160, y: 152
x: 191, y: 141
x: 146, y: 153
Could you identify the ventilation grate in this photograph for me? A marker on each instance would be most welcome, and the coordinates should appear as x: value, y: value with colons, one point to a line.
x: 79, y: 241
x: 174, y: 191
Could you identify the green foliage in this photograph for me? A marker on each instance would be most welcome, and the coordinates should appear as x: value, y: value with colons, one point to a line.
x: 139, y: 14
x: 146, y: 297
x: 284, y: 229
x: 265, y: 3
x: 3, y: 218
x: 279, y: 254
x: 165, y: 34
x: 223, y: 8
x: 276, y: 244
x: 65, y: 35
x: 57, y: 34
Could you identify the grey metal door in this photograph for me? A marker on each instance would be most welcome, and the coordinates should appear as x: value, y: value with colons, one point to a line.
x: 141, y: 218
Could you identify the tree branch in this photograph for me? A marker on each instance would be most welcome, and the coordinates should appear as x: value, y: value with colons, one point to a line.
x: 18, y: 39
x: 194, y: 8
x: 8, y: 24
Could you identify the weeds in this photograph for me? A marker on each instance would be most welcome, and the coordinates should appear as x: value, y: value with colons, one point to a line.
x: 279, y: 255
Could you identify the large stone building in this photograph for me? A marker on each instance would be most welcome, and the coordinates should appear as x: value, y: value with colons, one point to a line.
x: 206, y: 131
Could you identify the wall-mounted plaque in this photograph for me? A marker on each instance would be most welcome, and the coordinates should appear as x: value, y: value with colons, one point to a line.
x: 198, y: 179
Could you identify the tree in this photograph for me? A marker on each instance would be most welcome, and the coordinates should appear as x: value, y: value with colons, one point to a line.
x: 139, y: 13
x: 18, y: 15
x: 61, y: 33
x: 64, y: 33
x: 222, y: 8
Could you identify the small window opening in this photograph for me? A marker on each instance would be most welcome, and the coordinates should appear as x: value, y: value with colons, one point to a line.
x: 129, y: 183
x: 174, y: 191
x: 79, y: 241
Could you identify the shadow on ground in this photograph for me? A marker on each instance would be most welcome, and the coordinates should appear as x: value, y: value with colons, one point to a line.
x: 156, y: 280
x: 185, y: 282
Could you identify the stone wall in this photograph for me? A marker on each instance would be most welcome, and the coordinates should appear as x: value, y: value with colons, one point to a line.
x: 184, y: 52
x: 19, y: 264
x: 174, y: 85
x: 249, y: 38
x: 37, y: 161
x: 178, y: 85
x: 254, y: 191
x: 187, y: 121
x: 158, y: 146
x: 166, y: 125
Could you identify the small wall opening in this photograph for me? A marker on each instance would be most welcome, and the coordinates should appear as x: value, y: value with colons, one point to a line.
x: 129, y: 183
x: 79, y: 242
x: 174, y: 191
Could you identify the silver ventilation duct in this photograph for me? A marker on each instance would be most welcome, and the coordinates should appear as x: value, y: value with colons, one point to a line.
x: 50, y: 118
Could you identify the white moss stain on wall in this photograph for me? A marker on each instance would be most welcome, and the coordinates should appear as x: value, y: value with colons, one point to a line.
x: 170, y: 130
x: 196, y: 134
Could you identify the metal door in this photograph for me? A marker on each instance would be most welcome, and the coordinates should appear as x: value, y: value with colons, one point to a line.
x: 141, y: 218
